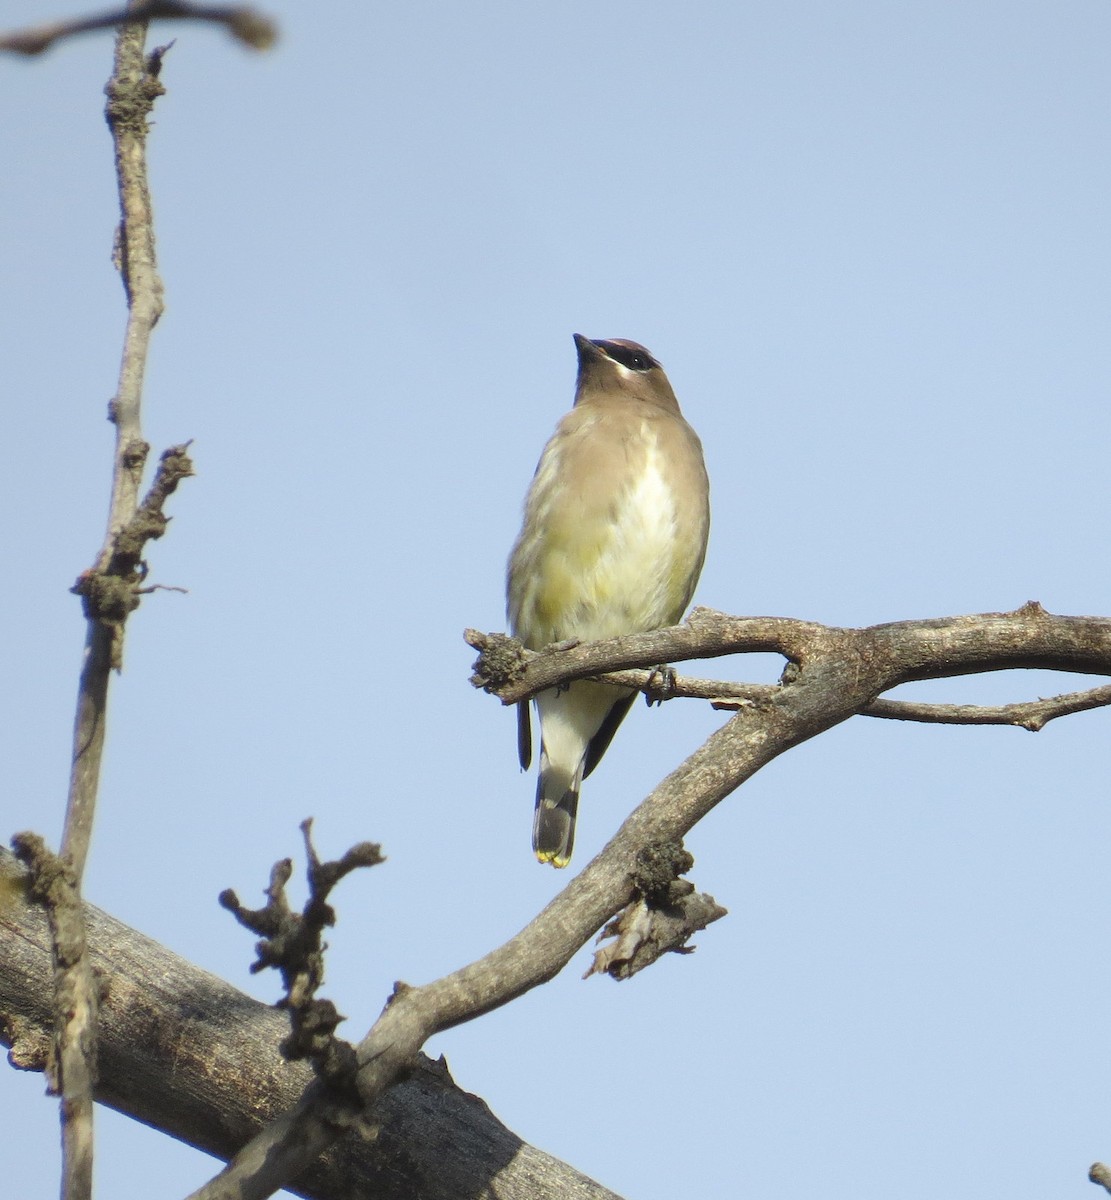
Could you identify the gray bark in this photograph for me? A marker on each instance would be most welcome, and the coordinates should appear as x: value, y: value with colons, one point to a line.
x: 188, y: 1054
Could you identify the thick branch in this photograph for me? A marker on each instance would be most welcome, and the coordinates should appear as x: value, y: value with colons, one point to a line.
x: 1028, y: 638
x: 190, y: 1055
x: 838, y: 673
x: 895, y: 653
x: 827, y: 693
x: 515, y: 674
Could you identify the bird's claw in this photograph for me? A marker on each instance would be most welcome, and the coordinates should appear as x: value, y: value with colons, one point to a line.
x: 660, y: 685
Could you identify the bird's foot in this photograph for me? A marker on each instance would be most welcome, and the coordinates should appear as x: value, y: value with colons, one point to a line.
x: 556, y: 647
x: 566, y: 644
x: 660, y: 685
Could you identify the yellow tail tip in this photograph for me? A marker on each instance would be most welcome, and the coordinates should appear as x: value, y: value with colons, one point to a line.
x: 553, y: 858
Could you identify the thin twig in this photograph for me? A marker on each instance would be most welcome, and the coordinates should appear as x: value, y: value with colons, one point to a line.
x: 247, y: 25
x: 131, y: 94
x: 1031, y: 714
x: 721, y: 693
x: 108, y: 591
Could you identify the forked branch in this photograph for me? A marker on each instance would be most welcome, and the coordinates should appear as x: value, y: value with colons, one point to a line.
x: 837, y: 673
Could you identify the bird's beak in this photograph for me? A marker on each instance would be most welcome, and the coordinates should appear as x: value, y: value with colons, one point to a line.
x: 588, y: 350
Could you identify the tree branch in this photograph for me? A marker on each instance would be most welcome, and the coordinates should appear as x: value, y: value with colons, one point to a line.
x: 293, y: 944
x: 247, y: 25
x: 839, y: 672
x: 190, y: 1055
x: 110, y: 592
x: 895, y: 653
x: 513, y: 673
x: 833, y: 686
x: 109, y: 586
x: 1033, y: 715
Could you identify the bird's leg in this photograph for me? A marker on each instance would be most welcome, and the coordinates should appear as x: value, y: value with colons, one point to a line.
x: 566, y: 644
x: 660, y: 685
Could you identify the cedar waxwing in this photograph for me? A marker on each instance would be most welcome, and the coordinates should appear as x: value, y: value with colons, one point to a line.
x: 614, y: 535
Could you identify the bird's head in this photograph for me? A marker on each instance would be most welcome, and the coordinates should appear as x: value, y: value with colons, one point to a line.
x: 617, y: 366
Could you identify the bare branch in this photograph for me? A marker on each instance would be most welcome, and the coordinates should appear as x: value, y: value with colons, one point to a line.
x: 837, y: 674
x: 644, y: 934
x: 830, y: 690
x: 725, y: 696
x: 192, y: 1056
x: 73, y: 1058
x: 899, y: 652
x: 293, y: 944
x: 513, y: 673
x: 109, y: 592
x: 722, y: 694
x: 247, y: 25
x: 109, y: 587
x: 1031, y: 714
x: 663, y: 918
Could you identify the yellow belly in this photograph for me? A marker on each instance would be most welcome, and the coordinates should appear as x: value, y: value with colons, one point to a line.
x: 599, y: 573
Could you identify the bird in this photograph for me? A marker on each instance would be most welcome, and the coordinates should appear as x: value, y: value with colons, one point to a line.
x: 614, y: 535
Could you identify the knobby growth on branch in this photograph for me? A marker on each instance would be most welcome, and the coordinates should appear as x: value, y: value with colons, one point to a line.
x: 293, y: 944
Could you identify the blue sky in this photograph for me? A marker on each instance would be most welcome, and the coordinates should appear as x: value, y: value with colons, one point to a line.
x: 870, y: 244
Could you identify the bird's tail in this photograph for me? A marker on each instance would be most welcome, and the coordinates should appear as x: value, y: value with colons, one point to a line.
x: 557, y: 802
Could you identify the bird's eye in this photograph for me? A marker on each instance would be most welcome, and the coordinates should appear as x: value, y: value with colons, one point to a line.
x: 635, y: 358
